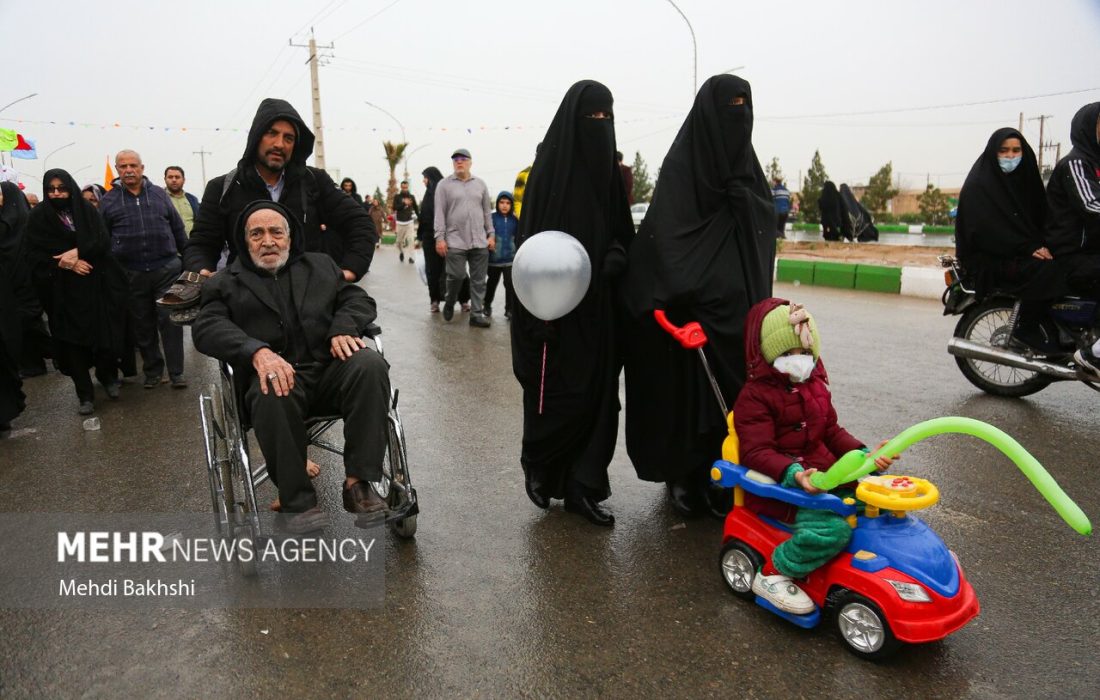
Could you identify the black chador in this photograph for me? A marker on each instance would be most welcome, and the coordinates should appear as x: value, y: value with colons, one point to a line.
x: 704, y: 253
x: 831, y: 213
x: 575, y: 186
x: 855, y: 221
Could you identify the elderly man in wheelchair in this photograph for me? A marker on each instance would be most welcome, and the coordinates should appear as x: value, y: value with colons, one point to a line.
x: 290, y: 327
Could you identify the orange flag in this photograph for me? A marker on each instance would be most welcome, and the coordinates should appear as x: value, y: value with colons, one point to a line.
x: 108, y: 175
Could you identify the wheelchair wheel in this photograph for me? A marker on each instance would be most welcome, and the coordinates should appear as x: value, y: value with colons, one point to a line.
x: 400, y: 488
x: 218, y: 468
x: 240, y: 490
x: 242, y: 534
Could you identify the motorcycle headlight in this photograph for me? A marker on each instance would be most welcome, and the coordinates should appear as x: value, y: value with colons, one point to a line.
x: 912, y: 592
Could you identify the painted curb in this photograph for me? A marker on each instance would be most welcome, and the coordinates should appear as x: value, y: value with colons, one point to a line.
x: 923, y: 282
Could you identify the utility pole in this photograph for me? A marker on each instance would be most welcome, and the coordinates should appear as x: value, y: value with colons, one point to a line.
x: 1042, y: 119
x: 318, y: 129
x: 1021, y: 129
x: 202, y: 153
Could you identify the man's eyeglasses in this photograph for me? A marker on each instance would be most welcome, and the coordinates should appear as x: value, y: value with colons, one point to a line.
x: 460, y: 159
x: 57, y: 188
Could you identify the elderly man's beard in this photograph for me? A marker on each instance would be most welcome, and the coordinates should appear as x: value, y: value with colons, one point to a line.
x: 271, y: 267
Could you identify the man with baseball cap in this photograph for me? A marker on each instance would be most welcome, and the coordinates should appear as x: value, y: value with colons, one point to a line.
x: 464, y: 235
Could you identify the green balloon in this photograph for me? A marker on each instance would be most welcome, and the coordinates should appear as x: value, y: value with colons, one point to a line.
x: 856, y: 464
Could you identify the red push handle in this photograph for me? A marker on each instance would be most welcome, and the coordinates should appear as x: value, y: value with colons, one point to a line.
x: 691, y: 336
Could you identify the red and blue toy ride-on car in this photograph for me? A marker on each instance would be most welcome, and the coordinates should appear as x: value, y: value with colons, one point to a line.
x: 896, y: 583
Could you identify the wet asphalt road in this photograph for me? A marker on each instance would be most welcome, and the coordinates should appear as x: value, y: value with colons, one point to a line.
x: 496, y: 598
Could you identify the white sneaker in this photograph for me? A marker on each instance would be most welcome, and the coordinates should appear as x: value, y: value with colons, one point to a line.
x: 782, y: 592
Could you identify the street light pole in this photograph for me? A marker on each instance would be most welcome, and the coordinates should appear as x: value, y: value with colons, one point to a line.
x: 694, y: 52
x: 409, y: 155
x: 46, y: 160
x: 33, y: 94
x: 399, y: 125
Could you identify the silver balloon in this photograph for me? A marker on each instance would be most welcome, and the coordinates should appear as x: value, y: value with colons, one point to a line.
x: 551, y: 273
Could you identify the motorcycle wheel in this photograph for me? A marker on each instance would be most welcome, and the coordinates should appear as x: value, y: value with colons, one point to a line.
x: 988, y: 324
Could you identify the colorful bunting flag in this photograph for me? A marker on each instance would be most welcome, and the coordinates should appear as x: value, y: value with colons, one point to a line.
x: 108, y: 175
x: 27, y: 149
x: 8, y: 139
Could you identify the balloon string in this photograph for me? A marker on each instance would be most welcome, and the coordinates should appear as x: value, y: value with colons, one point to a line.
x: 542, y: 380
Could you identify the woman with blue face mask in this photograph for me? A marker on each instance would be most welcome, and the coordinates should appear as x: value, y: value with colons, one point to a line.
x: 999, y: 233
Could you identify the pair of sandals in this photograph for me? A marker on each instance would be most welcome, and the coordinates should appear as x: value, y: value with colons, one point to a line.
x: 182, y: 298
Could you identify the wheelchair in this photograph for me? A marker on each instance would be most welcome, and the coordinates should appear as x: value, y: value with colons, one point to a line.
x: 234, y: 480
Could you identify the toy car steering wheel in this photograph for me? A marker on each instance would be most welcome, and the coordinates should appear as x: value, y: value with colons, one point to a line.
x: 897, y: 493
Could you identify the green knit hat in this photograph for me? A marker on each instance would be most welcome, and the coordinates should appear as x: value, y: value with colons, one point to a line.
x: 778, y: 334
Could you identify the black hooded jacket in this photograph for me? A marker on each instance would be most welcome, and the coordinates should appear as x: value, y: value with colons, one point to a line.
x: 309, y: 194
x: 704, y: 253
x: 1073, y: 193
x: 295, y: 311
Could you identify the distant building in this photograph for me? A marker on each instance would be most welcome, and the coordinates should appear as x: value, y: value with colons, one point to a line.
x: 906, y: 201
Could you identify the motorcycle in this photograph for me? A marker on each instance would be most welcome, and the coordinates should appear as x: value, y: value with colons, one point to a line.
x: 988, y: 355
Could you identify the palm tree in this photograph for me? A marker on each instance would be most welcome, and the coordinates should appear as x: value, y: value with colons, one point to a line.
x: 394, y: 153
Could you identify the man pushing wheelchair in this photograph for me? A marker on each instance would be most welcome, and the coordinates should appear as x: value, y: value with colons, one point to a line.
x: 290, y: 325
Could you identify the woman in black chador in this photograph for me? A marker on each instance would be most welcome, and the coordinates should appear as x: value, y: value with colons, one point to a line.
x: 82, y: 287
x: 15, y: 298
x: 999, y: 233
x: 704, y: 253
x: 855, y: 221
x: 575, y: 186
x: 831, y: 212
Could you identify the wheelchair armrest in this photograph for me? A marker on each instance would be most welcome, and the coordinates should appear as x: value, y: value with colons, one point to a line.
x: 729, y: 475
x: 372, y: 330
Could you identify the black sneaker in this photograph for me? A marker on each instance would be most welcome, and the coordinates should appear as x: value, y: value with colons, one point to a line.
x: 1088, y: 364
x: 112, y: 390
x: 402, y: 257
x: 479, y: 321
x: 487, y: 309
x: 448, y: 312
x: 151, y: 382
x: 86, y: 408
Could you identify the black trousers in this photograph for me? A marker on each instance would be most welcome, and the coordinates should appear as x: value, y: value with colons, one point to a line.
x: 781, y: 225
x: 435, y: 264
x: 357, y: 389
x: 495, y: 274
x: 75, y: 361
x: 150, y: 323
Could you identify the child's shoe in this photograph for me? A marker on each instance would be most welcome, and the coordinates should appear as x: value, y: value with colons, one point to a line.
x: 782, y: 592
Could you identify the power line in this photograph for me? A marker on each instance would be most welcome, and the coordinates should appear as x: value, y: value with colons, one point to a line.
x: 341, y: 36
x: 931, y: 107
x: 313, y: 20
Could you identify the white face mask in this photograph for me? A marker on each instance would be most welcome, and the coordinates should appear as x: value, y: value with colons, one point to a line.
x: 798, y: 367
x: 1009, y: 164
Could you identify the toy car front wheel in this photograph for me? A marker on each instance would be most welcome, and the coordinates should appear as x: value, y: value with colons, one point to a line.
x: 863, y: 627
x: 739, y: 564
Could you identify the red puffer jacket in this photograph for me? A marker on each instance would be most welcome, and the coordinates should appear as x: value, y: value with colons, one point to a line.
x: 780, y: 423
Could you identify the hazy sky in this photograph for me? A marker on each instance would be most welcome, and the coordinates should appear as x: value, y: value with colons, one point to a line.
x: 456, y: 74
